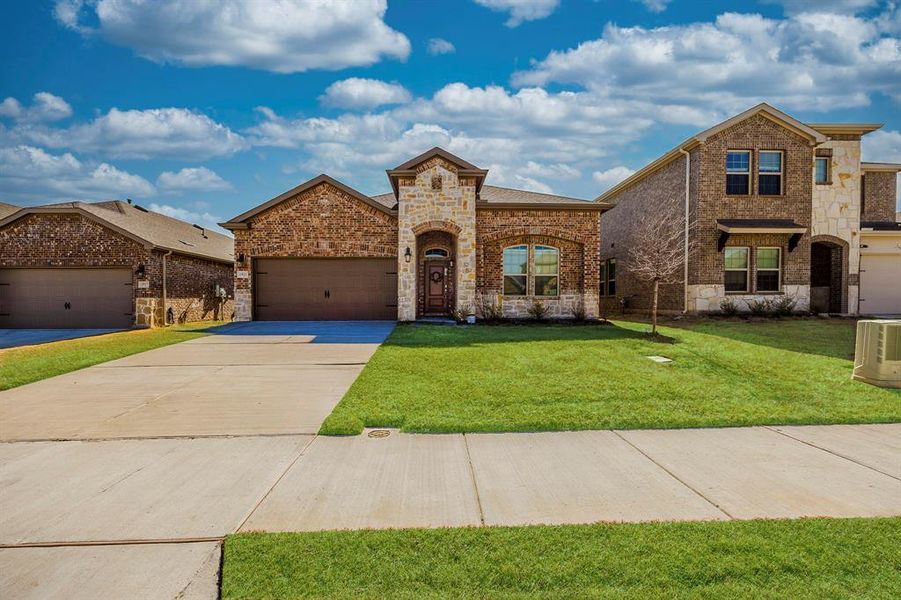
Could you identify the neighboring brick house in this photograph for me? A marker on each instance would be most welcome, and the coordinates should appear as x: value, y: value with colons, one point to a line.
x: 102, y: 265
x: 774, y: 207
x: 440, y: 243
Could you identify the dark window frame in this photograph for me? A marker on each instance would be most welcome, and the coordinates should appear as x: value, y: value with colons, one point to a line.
x: 735, y: 174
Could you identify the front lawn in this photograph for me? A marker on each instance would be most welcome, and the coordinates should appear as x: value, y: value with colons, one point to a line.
x: 429, y: 378
x: 19, y: 366
x: 812, y: 558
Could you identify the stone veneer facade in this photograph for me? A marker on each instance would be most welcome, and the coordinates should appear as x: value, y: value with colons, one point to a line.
x: 66, y: 240
x: 436, y: 199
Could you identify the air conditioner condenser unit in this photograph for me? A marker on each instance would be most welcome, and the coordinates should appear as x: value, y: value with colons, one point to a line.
x: 877, y: 353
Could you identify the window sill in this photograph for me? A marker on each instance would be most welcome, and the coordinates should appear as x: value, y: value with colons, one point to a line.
x: 750, y: 293
x: 822, y: 183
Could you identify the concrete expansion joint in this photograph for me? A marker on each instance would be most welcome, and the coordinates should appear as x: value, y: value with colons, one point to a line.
x: 674, y: 476
x: 475, y: 483
x: 122, y: 542
x: 826, y: 450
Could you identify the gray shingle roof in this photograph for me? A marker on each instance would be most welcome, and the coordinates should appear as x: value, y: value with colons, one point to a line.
x: 7, y: 209
x: 492, y: 194
x: 160, y: 231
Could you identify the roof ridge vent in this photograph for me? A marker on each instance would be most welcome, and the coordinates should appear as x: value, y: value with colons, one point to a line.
x: 140, y: 208
x: 202, y: 230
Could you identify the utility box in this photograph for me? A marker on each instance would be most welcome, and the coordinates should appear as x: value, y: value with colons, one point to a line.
x: 877, y: 353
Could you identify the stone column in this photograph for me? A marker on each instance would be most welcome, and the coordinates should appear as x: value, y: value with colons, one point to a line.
x: 406, y: 275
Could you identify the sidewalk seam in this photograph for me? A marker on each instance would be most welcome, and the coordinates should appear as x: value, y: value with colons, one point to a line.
x: 833, y: 453
x: 475, y: 484
x: 674, y: 476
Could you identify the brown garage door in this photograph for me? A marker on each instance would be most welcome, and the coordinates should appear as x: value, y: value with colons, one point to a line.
x: 66, y: 298
x: 303, y: 289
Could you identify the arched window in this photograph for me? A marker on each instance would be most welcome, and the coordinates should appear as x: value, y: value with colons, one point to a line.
x: 516, y: 270
x: 547, y: 271
x: 436, y: 253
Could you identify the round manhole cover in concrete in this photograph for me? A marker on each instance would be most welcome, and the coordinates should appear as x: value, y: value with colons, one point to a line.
x: 379, y: 433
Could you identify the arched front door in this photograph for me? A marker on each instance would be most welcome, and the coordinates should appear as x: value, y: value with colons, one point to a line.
x: 436, y: 274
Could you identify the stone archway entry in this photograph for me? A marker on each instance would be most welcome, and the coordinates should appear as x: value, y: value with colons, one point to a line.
x: 436, y: 281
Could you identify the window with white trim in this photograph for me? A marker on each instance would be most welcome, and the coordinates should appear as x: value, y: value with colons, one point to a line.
x: 769, y: 173
x: 821, y: 170
x: 768, y: 262
x: 736, y: 264
x: 738, y: 172
x: 516, y: 270
x: 547, y: 271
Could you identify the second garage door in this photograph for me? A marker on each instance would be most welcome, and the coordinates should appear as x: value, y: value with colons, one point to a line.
x: 304, y: 289
x: 66, y: 298
x: 880, y: 284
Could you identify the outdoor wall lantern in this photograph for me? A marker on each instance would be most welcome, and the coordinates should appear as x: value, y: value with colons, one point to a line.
x: 241, y: 259
x: 407, y: 255
x: 140, y: 272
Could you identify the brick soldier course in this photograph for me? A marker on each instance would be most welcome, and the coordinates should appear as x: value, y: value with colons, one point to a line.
x: 439, y: 202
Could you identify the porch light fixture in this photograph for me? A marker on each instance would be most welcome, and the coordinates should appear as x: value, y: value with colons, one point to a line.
x: 241, y: 259
x: 408, y: 255
x: 140, y: 271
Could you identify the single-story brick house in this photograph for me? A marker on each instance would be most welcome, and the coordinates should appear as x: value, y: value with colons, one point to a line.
x: 440, y: 242
x: 109, y: 265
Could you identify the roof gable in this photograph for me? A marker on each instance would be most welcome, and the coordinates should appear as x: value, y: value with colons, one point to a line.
x: 773, y: 114
x: 240, y: 222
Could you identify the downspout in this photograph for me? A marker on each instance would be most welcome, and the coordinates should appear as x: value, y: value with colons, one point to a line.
x: 685, y: 242
x: 165, y: 313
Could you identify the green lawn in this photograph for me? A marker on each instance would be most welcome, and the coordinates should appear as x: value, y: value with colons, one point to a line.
x: 812, y: 558
x: 562, y: 377
x: 19, y: 366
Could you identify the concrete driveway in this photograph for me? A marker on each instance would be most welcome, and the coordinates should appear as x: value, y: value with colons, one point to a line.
x: 245, y: 379
x: 13, y: 338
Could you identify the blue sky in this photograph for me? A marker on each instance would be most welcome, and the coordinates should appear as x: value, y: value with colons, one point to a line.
x: 204, y: 109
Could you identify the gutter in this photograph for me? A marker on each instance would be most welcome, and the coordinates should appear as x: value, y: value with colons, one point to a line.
x: 165, y: 313
x: 685, y: 243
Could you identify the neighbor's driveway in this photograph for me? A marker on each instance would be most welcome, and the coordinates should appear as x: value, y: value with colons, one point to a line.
x: 13, y: 338
x: 246, y: 379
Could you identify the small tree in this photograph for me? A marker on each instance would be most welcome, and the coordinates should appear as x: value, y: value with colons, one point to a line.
x: 658, y: 254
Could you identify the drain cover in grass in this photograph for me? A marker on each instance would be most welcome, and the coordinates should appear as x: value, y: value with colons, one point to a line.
x: 660, y: 359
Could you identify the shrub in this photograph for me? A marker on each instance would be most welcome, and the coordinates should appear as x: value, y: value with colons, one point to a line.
x: 460, y: 314
x: 578, y: 311
x: 760, y: 308
x: 728, y: 307
x: 538, y: 310
x: 491, y: 311
x: 785, y: 306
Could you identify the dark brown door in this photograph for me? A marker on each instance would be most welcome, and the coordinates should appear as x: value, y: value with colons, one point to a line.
x: 435, y: 297
x: 66, y: 298
x: 313, y: 289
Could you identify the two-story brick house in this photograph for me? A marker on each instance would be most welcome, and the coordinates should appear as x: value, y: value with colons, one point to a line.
x: 441, y: 242
x: 771, y: 207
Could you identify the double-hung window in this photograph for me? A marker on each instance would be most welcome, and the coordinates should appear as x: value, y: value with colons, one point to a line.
x: 543, y: 267
x: 769, y: 173
x: 547, y: 271
x: 736, y: 277
x: 516, y: 270
x: 821, y: 169
x: 738, y: 172
x: 611, y: 277
x: 769, y: 271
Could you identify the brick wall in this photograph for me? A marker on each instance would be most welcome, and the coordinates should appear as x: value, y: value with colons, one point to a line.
x: 880, y: 196
x: 73, y: 240
x: 321, y: 222
x: 575, y: 233
x: 663, y: 190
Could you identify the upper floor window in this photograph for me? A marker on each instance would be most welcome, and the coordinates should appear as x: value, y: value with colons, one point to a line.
x: 821, y: 169
x: 547, y: 271
x: 610, y: 283
x: 736, y: 262
x: 738, y: 172
x: 769, y: 173
x: 516, y: 270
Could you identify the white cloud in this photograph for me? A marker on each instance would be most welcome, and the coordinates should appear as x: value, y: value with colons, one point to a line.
x: 166, y: 132
x: 197, y: 179
x: 655, y: 6
x: 285, y: 36
x: 809, y: 61
x: 44, y: 107
x: 609, y: 178
x: 356, y: 92
x: 830, y: 6
x: 32, y: 173
x: 203, y: 218
x: 439, y: 46
x: 521, y: 10
x: 555, y: 171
